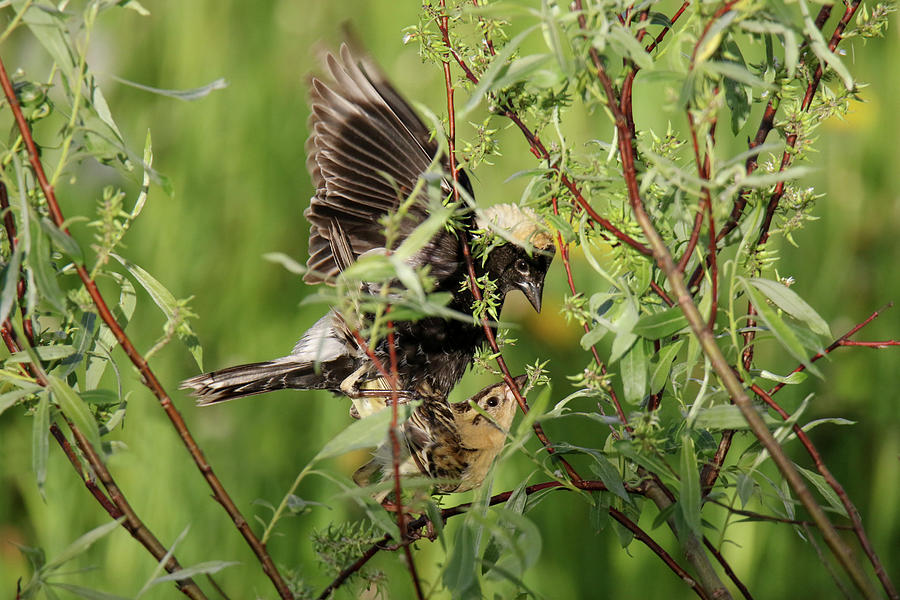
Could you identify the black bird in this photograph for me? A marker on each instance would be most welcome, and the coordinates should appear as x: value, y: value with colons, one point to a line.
x: 366, y: 152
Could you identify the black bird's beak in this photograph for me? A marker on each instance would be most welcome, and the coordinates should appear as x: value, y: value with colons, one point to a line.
x: 533, y: 291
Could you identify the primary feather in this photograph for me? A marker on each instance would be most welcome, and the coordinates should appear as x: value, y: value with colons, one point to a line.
x: 366, y: 152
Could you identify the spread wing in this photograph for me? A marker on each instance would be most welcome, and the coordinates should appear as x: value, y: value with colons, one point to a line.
x: 366, y: 152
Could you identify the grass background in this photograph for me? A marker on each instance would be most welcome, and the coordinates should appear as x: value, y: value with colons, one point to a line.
x: 236, y: 161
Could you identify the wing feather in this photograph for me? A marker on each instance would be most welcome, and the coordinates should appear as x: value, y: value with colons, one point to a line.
x: 366, y: 153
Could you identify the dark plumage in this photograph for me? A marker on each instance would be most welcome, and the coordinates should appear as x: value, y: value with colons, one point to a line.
x: 366, y: 152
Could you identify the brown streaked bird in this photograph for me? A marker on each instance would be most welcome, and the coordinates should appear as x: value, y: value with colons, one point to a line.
x: 366, y: 152
x: 451, y: 443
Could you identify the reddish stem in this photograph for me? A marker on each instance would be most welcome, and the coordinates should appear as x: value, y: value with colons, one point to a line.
x: 149, y: 378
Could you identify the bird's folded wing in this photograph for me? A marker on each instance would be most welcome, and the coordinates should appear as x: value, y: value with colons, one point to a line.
x: 366, y: 152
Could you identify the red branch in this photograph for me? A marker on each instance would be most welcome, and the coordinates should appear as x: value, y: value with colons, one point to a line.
x: 147, y: 375
x: 838, y: 489
x: 467, y: 253
x: 395, y: 459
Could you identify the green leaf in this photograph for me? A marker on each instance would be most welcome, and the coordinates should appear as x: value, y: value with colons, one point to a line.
x: 39, y: 262
x: 661, y: 324
x: 81, y: 544
x: 497, y: 68
x: 626, y: 44
x: 167, y: 303
x: 623, y: 325
x: 593, y: 336
x: 634, y: 372
x: 40, y: 442
x: 204, y: 568
x: 188, y: 95
x: 649, y: 461
x: 423, y: 233
x: 790, y: 379
x: 778, y: 327
x: 9, y: 280
x: 689, y: 487
x: 826, y: 490
x: 709, y: 43
x: 459, y: 574
x: 728, y: 416
x: 790, y: 302
x: 286, y: 261
x: 45, y: 353
x: 9, y: 399
x: 662, y: 366
x: 610, y: 476
x: 75, y: 409
x: 100, y: 397
x: 84, y: 592
x: 371, y: 268
x: 365, y: 433
x: 764, y: 180
x: 63, y: 241
x: 527, y: 69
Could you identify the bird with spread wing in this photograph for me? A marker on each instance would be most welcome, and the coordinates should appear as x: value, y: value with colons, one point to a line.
x: 366, y: 153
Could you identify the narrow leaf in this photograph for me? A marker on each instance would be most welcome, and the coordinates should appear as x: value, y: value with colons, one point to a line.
x: 827, y: 492
x: 63, y: 241
x: 365, y: 433
x: 661, y: 368
x: 779, y: 328
x: 790, y: 302
x: 87, y: 593
x: 634, y: 372
x: 75, y: 409
x: 204, y: 568
x: 81, y: 544
x: 39, y: 261
x: 791, y: 379
x: 661, y: 324
x: 185, y: 95
x: 610, y: 476
x: 728, y: 416
x: 9, y: 280
x: 45, y: 353
x: 689, y: 497
x: 10, y: 399
x: 627, y: 45
x: 40, y: 442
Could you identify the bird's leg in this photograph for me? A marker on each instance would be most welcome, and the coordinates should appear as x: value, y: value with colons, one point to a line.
x: 372, y: 395
x: 350, y: 385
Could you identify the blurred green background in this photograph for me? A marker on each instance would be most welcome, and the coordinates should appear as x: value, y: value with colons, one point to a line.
x: 236, y: 161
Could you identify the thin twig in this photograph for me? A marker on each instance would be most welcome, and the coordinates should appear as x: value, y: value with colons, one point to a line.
x: 147, y: 375
x: 835, y: 485
x: 395, y: 460
x: 467, y: 253
x: 708, y: 344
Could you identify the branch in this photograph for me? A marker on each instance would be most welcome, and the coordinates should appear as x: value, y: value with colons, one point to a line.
x: 118, y: 506
x: 852, y: 512
x: 540, y: 151
x: 708, y: 577
x: 395, y: 460
x: 467, y: 253
x: 147, y: 375
x: 446, y: 513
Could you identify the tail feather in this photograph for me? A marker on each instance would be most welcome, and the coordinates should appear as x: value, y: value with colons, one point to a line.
x: 255, y: 378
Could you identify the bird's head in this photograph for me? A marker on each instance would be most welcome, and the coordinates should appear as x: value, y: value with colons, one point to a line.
x: 521, y: 261
x: 499, y: 403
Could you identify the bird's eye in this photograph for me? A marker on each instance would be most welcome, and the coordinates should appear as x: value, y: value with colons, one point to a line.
x: 492, y: 402
x: 522, y: 266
